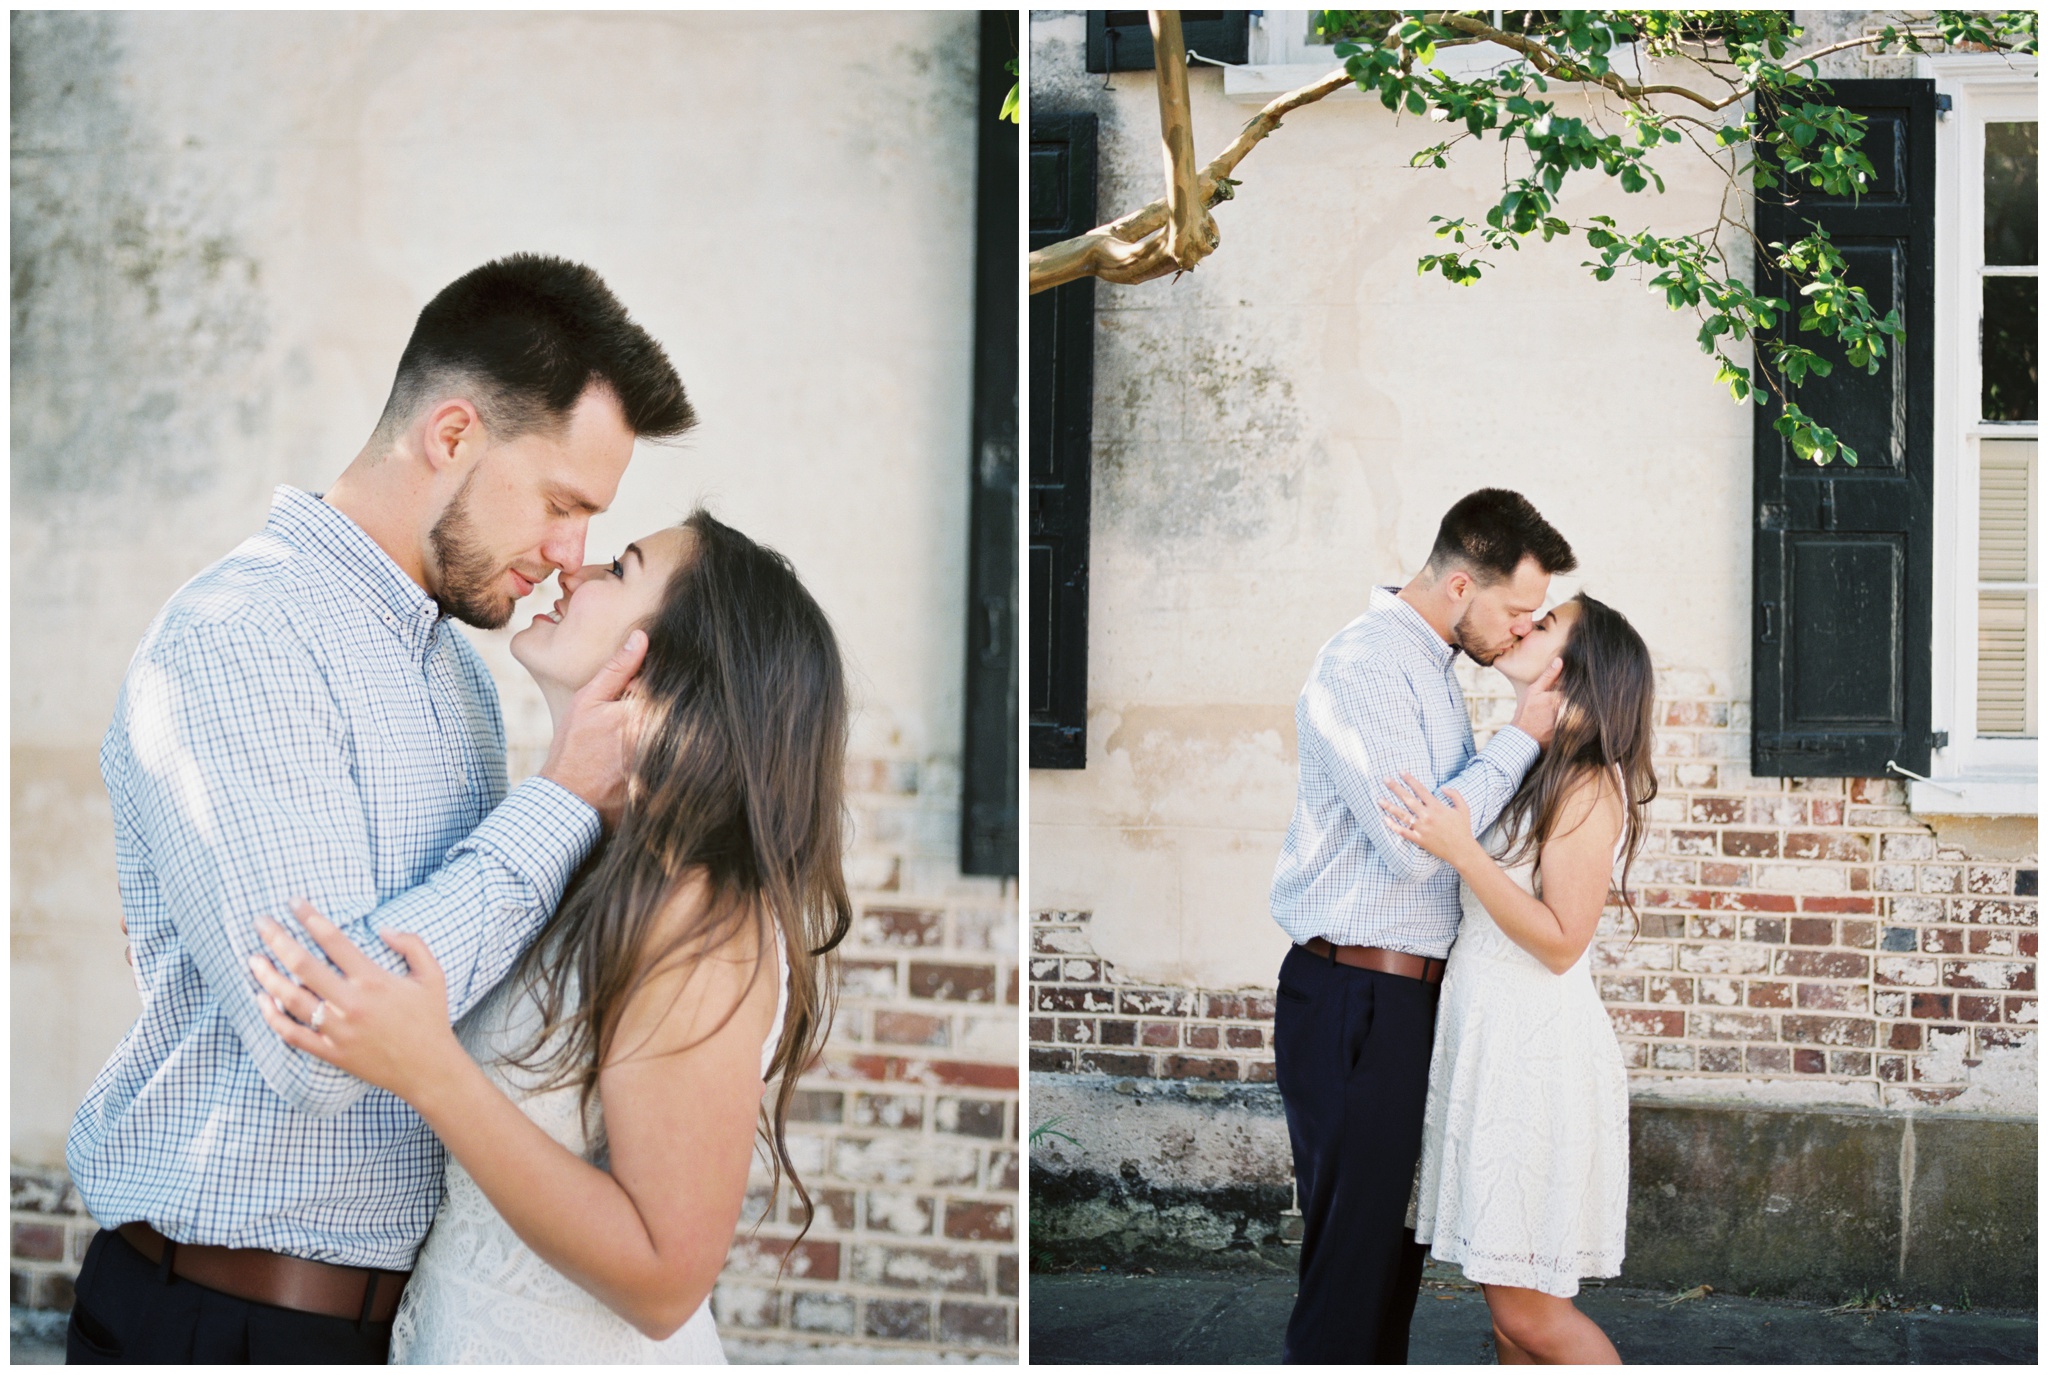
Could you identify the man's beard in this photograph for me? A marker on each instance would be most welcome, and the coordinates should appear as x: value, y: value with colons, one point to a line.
x: 1481, y: 654
x: 469, y: 575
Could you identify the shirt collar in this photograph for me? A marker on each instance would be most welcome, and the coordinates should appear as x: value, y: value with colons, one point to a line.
x: 312, y: 527
x: 1387, y: 601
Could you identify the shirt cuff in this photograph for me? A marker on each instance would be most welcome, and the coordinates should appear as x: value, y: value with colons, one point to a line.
x: 1513, y: 749
x: 543, y: 832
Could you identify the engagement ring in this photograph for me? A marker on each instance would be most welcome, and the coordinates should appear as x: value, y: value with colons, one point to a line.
x: 319, y: 1014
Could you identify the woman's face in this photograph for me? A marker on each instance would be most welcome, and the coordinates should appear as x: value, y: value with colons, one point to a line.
x: 1527, y: 660
x: 599, y: 606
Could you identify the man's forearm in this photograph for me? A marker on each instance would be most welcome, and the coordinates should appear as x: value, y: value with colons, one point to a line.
x: 1491, y: 780
x: 478, y: 912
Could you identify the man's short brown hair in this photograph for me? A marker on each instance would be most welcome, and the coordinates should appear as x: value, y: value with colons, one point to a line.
x: 521, y: 338
x: 1491, y: 531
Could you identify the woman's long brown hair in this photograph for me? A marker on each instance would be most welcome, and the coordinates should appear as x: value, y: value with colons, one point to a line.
x: 1608, y: 718
x: 737, y: 779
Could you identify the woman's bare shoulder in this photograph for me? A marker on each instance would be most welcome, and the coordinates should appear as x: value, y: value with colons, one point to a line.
x: 1592, y: 801
x: 704, y: 965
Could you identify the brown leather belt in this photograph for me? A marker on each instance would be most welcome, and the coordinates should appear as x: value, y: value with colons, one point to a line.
x: 309, y: 1286
x: 1372, y: 957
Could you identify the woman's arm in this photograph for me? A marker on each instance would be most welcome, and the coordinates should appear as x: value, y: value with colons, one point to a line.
x: 1577, y: 865
x: 647, y: 1239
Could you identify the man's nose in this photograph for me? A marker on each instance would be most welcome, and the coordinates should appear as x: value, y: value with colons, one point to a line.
x: 564, y: 547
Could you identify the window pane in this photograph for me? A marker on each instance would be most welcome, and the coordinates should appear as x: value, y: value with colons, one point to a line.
x: 2011, y: 311
x: 2005, y: 517
x: 2005, y: 663
x: 2011, y: 185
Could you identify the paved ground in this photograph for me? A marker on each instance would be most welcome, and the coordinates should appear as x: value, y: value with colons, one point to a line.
x: 1237, y: 1319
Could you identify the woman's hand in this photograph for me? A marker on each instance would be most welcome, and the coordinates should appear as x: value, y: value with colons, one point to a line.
x: 1442, y: 828
x: 390, y: 1030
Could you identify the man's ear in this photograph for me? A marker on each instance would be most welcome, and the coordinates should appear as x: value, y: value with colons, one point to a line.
x: 1457, y: 584
x: 451, y: 434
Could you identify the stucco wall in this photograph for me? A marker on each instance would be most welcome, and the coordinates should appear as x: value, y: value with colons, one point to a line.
x: 223, y: 228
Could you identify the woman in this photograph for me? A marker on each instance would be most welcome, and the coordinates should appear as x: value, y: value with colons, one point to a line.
x: 600, y: 1106
x: 1524, y: 1174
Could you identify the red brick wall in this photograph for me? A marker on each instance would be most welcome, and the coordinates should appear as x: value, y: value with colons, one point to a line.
x: 908, y: 1142
x: 1791, y: 930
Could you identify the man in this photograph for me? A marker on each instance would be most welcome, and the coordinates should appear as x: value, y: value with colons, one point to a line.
x: 301, y: 720
x: 1373, y: 917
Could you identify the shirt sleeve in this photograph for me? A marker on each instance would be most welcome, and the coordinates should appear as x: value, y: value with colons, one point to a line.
x: 1365, y: 722
x: 243, y: 792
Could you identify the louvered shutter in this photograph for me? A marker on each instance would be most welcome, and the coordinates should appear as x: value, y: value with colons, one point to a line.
x: 2005, y: 651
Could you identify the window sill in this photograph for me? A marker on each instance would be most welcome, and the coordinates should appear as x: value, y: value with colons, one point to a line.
x: 1980, y: 795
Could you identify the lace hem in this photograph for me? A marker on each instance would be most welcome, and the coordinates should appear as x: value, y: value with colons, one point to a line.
x: 1557, y: 1276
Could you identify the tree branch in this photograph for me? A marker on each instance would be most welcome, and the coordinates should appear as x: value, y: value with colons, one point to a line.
x: 1124, y: 250
x: 1190, y: 232
x: 1551, y: 63
x: 1165, y: 237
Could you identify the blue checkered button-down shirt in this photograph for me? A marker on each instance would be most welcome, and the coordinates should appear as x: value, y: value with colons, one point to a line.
x: 300, y: 720
x: 1382, y: 699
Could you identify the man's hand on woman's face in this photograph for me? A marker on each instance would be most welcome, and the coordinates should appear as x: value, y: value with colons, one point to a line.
x: 1537, y: 705
x: 592, y: 745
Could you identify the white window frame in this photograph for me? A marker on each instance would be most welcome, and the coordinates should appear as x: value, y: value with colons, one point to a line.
x: 1971, y: 775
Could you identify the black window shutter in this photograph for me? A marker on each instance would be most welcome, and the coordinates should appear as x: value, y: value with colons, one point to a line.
x: 1844, y: 556
x: 1062, y: 425
x: 988, y: 783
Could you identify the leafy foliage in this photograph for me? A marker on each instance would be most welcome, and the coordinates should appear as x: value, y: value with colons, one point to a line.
x: 1769, y: 123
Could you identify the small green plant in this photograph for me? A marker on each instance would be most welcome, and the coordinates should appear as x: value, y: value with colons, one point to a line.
x: 1050, y: 1127
x: 1963, y: 1305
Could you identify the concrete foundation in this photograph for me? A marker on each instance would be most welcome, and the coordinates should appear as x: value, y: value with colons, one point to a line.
x: 1802, y: 1203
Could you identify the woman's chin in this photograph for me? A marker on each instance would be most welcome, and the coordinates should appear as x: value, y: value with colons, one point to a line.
x: 529, y: 649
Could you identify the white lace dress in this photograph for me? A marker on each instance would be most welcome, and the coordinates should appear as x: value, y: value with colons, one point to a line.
x: 1524, y: 1173
x: 478, y: 1294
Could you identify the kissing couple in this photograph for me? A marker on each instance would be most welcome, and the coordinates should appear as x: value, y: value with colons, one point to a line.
x: 425, y: 1070
x: 1473, y: 1108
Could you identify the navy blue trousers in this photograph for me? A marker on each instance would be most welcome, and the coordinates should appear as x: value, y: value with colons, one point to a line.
x: 1352, y: 1051
x: 129, y: 1312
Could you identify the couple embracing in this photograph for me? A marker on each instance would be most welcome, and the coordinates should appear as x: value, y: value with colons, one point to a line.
x: 1474, y: 1107
x: 427, y: 1070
